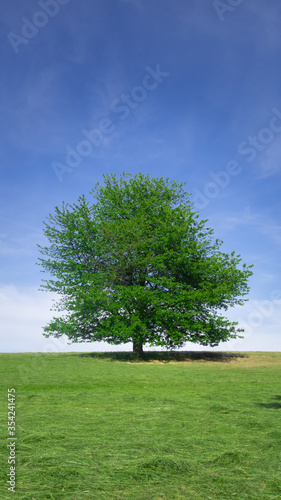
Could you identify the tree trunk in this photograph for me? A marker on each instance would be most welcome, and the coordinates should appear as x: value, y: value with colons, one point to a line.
x: 137, y: 347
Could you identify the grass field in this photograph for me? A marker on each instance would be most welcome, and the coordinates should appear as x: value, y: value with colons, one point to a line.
x: 105, y: 426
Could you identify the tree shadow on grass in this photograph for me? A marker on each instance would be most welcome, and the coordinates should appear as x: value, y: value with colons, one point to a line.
x: 275, y: 405
x: 166, y: 357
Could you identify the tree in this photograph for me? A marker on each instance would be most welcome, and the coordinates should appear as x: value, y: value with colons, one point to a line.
x: 138, y: 265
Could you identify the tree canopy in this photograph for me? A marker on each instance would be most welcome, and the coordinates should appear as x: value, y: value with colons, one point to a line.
x: 136, y: 264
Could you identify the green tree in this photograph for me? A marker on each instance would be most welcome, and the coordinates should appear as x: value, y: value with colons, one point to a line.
x: 138, y: 265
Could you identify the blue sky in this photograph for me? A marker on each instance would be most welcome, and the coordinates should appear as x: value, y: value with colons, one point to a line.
x: 186, y: 89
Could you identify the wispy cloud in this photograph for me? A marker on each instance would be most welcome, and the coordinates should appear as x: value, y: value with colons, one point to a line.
x: 263, y: 223
x: 270, y: 161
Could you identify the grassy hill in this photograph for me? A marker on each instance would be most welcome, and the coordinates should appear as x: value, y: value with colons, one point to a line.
x: 105, y: 426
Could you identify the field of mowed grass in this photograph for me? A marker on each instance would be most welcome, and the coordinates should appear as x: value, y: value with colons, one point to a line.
x: 170, y: 427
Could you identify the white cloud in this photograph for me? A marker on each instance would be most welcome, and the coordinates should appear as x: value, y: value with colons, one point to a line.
x: 261, y: 321
x: 23, y: 313
x: 262, y: 223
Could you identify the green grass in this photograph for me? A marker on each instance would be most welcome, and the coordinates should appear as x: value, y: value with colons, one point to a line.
x: 105, y: 426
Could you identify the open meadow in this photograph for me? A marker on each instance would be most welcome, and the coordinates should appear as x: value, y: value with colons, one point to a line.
x: 170, y: 427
